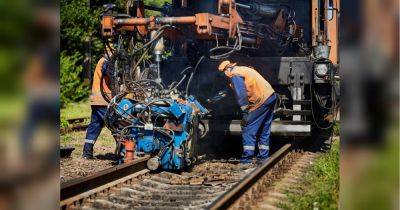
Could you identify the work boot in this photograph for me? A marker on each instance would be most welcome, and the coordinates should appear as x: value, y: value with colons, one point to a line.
x: 87, y: 151
x: 87, y: 157
x: 245, y: 161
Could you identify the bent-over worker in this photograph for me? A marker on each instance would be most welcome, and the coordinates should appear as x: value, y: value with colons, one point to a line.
x: 256, y: 99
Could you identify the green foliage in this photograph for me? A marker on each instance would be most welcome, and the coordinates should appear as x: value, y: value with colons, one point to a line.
x: 76, y: 110
x: 72, y: 88
x: 336, y: 128
x: 16, y: 23
x: 80, y: 26
x: 63, y: 123
x: 374, y: 183
x: 80, y: 32
x: 321, y: 187
x: 156, y: 2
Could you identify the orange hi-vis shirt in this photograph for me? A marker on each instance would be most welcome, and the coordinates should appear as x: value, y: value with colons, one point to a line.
x: 258, y: 89
x: 96, y: 98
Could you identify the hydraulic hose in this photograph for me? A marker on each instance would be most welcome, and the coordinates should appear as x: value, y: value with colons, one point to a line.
x: 237, y: 47
x: 138, y: 63
x: 192, y: 74
x: 105, y: 96
x: 176, y: 84
x: 331, y: 109
x: 159, y: 33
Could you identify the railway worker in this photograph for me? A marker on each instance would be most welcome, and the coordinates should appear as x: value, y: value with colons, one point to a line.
x: 256, y: 99
x: 98, y: 104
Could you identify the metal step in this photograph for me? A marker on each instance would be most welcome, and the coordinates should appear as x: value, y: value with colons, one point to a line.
x: 290, y: 112
x: 297, y: 102
x: 278, y: 128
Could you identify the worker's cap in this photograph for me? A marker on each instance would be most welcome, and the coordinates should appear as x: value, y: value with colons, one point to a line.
x: 222, y: 66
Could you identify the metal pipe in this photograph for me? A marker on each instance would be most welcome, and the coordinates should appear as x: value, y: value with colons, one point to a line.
x: 249, y: 40
x: 245, y: 6
x: 132, y: 21
x: 158, y: 20
x: 176, y: 20
x: 263, y: 10
x: 266, y: 10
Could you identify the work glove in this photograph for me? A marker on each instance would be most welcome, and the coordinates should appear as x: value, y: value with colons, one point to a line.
x: 220, y: 95
x: 245, y: 116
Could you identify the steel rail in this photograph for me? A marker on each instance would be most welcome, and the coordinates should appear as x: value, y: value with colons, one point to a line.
x: 80, y: 185
x: 78, y: 199
x: 233, y: 194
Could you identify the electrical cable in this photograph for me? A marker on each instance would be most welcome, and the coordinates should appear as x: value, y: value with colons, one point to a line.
x: 179, y: 83
x: 331, y: 110
x: 143, y: 81
x: 237, y: 47
x: 102, y: 91
x: 174, y: 85
x: 107, y: 45
x: 138, y: 62
x: 159, y: 32
x: 192, y: 74
x: 112, y: 104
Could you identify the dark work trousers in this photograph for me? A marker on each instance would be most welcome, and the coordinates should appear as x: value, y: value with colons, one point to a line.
x: 94, y: 129
x: 258, y: 123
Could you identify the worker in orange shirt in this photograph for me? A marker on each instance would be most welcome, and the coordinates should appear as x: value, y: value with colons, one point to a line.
x: 98, y: 104
x: 256, y: 99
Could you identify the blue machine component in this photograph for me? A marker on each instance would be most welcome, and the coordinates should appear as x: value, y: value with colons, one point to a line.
x: 125, y: 108
x: 160, y: 127
x: 191, y: 99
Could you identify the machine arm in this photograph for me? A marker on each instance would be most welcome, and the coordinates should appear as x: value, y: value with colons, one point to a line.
x: 205, y: 23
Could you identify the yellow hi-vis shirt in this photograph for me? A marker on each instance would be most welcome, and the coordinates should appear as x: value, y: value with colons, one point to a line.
x: 96, y: 98
x: 258, y: 89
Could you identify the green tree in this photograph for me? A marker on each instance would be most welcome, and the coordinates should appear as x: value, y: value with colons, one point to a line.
x: 80, y: 34
x: 72, y: 88
x: 80, y: 24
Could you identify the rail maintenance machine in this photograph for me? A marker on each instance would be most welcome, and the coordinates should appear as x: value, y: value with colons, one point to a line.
x: 165, y: 87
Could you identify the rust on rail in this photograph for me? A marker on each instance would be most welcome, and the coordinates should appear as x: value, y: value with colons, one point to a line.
x: 228, y: 198
x: 83, y: 184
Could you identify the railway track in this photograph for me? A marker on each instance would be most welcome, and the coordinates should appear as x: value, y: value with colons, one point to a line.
x: 215, y: 184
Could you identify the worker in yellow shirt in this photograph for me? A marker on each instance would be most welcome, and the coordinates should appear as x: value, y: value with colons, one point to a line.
x: 98, y: 104
x: 256, y: 99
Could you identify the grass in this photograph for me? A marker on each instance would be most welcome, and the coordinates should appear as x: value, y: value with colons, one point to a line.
x: 12, y: 108
x: 74, y: 110
x: 321, y: 186
x: 373, y: 182
x: 336, y: 128
x: 104, y: 144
